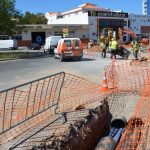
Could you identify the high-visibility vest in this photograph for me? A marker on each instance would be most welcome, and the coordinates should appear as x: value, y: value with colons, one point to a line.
x: 113, y: 45
x: 135, y: 46
x: 102, y: 46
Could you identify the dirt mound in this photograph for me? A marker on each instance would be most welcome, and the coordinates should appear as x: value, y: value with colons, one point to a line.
x: 95, y: 48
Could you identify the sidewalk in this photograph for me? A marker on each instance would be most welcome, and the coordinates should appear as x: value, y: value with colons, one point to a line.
x: 20, y: 49
x: 20, y: 53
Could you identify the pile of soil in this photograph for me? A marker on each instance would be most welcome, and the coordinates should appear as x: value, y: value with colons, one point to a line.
x: 95, y: 48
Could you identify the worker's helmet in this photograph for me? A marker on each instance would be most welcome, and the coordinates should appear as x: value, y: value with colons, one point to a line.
x: 113, y: 39
x: 102, y: 38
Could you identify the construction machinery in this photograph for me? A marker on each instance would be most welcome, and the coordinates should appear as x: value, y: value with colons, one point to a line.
x: 128, y: 31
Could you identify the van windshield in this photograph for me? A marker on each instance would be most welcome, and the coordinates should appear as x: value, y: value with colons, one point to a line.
x: 54, y: 40
x: 68, y: 43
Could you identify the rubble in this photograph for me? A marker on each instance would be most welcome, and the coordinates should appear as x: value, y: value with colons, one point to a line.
x: 81, y: 134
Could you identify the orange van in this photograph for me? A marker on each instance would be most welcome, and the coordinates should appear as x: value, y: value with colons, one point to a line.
x: 69, y: 48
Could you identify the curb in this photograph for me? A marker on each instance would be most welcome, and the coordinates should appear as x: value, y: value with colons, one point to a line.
x: 36, y: 56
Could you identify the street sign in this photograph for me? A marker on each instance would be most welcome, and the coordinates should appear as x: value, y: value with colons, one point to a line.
x: 65, y: 32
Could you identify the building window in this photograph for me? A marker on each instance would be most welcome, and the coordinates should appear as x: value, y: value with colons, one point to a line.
x: 17, y: 37
x: 125, y: 23
x: 129, y: 23
x: 124, y: 38
x: 76, y: 43
x: 60, y: 16
x: 58, y: 33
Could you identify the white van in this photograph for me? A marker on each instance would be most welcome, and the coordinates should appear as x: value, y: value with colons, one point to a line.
x: 9, y: 44
x: 51, y: 43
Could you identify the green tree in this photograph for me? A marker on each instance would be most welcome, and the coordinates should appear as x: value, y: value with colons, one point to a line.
x: 8, y: 16
x: 31, y: 18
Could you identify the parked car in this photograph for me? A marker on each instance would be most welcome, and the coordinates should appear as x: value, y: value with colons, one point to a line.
x: 34, y: 46
x: 69, y: 48
x: 51, y: 43
x: 9, y: 44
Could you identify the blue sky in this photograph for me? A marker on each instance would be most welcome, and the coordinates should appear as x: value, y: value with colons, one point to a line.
x: 131, y: 6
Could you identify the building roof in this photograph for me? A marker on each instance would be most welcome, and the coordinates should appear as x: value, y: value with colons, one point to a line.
x: 86, y: 6
x: 92, y: 6
x: 52, y: 13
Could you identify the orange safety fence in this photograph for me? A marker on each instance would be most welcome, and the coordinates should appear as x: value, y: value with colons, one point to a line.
x: 133, y: 77
x: 22, y: 104
x: 127, y: 76
x: 27, y: 106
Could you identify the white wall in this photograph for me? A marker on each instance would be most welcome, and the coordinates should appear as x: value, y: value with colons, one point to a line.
x: 82, y: 32
x: 92, y: 28
x: 74, y: 18
x: 136, y: 21
x: 49, y: 33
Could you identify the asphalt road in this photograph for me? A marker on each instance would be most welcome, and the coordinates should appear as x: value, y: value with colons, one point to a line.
x: 17, y: 72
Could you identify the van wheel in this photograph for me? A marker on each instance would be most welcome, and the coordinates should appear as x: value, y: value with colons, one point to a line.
x: 44, y: 51
x: 61, y: 58
x: 55, y: 57
x: 80, y: 58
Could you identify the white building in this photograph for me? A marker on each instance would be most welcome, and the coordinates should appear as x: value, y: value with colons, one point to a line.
x: 146, y: 7
x: 86, y: 21
x: 140, y: 24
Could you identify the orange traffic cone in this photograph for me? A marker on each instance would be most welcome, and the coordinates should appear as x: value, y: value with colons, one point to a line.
x: 104, y: 87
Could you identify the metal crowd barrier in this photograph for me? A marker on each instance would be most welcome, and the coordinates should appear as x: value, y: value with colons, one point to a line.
x: 23, y: 102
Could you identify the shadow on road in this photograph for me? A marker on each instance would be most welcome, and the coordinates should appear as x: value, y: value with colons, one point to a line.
x: 40, y: 56
x: 83, y: 59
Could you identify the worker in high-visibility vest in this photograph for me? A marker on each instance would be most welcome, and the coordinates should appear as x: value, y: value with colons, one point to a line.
x: 103, y: 47
x: 135, y: 48
x: 113, y: 45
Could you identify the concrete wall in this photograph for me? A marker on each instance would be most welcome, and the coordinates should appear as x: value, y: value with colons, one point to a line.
x: 26, y: 35
x: 92, y: 28
x: 82, y: 33
x: 136, y: 21
x: 73, y: 18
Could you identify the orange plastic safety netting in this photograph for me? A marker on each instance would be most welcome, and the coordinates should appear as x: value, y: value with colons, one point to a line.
x: 133, y: 76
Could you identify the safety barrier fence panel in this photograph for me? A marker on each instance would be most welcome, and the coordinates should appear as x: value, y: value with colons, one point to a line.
x: 133, y: 77
x: 77, y: 92
x: 23, y: 102
x: 64, y: 92
x: 137, y: 133
x: 127, y: 76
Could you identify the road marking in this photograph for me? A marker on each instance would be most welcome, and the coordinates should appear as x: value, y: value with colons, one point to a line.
x: 10, y: 60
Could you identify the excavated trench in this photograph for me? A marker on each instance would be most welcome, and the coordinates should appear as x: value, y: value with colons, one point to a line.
x: 77, y: 130
x: 82, y: 134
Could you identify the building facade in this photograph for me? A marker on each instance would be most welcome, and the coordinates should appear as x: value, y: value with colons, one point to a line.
x: 140, y: 24
x: 87, y: 21
x: 146, y: 7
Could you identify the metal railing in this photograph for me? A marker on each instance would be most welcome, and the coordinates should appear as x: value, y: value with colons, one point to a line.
x: 21, y: 103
